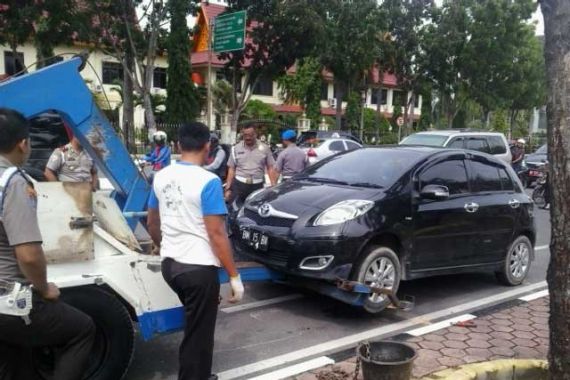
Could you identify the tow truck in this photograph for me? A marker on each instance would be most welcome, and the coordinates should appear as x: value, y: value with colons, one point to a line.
x: 93, y: 253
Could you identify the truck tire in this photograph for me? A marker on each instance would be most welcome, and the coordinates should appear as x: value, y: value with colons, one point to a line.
x: 114, y: 341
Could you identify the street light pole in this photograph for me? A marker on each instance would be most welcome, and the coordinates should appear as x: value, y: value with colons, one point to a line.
x: 209, y: 80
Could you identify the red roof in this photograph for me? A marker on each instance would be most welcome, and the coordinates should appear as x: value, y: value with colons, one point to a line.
x: 200, y: 58
x: 212, y: 10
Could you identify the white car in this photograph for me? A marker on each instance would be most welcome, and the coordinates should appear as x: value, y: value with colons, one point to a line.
x: 322, y: 148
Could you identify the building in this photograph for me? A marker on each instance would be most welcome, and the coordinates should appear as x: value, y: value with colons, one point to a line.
x: 267, y: 89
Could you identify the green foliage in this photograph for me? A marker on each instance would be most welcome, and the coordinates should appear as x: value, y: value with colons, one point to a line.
x: 182, y: 104
x: 353, y: 111
x: 304, y: 87
x: 256, y: 109
x: 499, y: 122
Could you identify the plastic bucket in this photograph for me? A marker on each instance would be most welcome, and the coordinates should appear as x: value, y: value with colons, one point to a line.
x: 386, y: 360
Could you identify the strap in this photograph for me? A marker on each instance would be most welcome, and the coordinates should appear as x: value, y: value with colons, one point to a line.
x: 4, y: 181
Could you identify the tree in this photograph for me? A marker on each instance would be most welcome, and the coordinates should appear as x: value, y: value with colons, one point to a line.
x: 256, y: 109
x: 273, y: 44
x: 181, y: 104
x: 348, y: 50
x: 304, y: 87
x: 16, y: 24
x: 557, y: 53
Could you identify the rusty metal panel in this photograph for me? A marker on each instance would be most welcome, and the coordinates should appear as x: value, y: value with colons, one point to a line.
x: 65, y: 213
x: 110, y: 218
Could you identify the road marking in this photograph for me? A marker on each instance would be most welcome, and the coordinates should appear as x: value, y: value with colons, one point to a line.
x: 541, y: 247
x: 441, y: 325
x: 255, y: 305
x: 379, y: 332
x: 534, y: 296
x: 296, y: 369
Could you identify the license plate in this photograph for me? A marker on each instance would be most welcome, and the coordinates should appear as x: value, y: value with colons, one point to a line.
x: 534, y: 173
x: 255, y: 239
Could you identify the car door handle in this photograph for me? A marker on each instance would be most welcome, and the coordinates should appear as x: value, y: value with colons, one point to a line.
x: 514, y: 203
x: 471, y: 207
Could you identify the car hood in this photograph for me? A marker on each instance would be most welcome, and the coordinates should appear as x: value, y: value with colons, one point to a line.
x: 534, y: 157
x: 298, y: 197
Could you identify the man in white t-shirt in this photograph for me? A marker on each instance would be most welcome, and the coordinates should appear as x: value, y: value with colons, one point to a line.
x: 186, y: 219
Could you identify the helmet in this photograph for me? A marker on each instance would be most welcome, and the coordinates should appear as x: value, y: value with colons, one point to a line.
x: 288, y: 134
x: 159, y: 137
x: 214, y: 138
x: 521, y: 141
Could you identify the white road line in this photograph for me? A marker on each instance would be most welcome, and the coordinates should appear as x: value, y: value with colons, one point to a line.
x: 534, y: 296
x: 392, y: 329
x: 541, y: 247
x: 256, y: 304
x: 440, y: 325
x: 296, y: 369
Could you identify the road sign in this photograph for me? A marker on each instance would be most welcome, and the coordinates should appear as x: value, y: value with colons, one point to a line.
x: 229, y: 32
x: 400, y: 121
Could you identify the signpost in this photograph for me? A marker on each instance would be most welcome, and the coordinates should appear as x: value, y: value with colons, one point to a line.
x: 400, y: 122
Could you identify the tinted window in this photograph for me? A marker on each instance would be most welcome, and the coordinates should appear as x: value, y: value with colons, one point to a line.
x: 497, y: 145
x: 456, y: 143
x: 351, y: 145
x: 485, y: 177
x: 478, y: 144
x: 451, y: 174
x: 337, y: 146
x: 506, y: 181
x: 377, y: 166
x: 425, y: 139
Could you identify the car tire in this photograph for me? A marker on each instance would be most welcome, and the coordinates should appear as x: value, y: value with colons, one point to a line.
x: 538, y: 196
x: 114, y: 347
x: 517, y: 262
x: 371, y: 265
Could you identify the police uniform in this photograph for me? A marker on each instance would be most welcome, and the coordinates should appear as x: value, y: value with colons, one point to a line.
x: 71, y: 165
x: 291, y: 161
x: 48, y: 323
x: 249, y: 164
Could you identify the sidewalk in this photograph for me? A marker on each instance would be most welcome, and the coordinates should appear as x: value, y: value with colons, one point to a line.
x: 519, y: 331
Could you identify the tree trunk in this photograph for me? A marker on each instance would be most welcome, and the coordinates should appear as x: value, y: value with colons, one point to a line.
x: 128, y: 106
x: 557, y: 55
x: 338, y: 115
x: 150, y: 121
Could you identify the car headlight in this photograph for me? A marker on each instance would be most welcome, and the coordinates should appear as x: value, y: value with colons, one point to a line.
x: 343, y: 211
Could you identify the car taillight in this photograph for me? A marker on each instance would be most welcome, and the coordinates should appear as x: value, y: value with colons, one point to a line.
x: 311, y: 153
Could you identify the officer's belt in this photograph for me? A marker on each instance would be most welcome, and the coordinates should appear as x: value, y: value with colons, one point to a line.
x: 249, y: 181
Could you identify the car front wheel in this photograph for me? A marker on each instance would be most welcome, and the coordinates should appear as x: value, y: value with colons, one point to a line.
x: 517, y: 262
x: 379, y: 267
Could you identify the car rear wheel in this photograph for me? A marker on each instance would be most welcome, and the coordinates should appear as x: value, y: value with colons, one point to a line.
x: 379, y: 267
x: 517, y: 262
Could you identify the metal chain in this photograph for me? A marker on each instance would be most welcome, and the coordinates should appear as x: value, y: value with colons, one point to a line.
x: 359, y: 361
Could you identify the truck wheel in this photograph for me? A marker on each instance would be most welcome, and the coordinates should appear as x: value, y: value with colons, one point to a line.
x: 379, y: 266
x: 114, y: 340
x: 517, y: 262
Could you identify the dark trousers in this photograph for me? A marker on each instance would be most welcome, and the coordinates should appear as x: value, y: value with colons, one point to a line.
x: 242, y: 190
x: 198, y: 288
x: 57, y: 325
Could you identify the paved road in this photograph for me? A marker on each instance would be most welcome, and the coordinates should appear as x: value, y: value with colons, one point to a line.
x: 302, y: 321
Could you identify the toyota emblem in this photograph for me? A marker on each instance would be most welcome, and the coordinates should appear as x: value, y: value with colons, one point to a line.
x: 264, y: 210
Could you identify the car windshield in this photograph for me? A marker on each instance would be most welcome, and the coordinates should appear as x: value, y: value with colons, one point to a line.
x: 541, y: 150
x: 424, y: 139
x: 372, y: 167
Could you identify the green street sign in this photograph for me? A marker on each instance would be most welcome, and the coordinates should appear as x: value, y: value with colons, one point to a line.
x: 229, y: 32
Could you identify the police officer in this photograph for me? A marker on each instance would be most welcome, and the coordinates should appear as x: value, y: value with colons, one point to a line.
x: 50, y: 322
x: 216, y: 161
x: 248, y: 162
x: 71, y: 164
x: 292, y: 160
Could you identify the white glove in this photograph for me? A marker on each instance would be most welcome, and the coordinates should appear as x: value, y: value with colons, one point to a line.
x: 237, y: 289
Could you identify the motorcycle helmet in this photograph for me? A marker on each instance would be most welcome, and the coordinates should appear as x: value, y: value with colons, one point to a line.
x: 159, y: 137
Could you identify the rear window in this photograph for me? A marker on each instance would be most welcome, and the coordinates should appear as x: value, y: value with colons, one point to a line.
x: 485, y: 177
x: 497, y: 145
x: 424, y: 139
x: 311, y: 143
x: 479, y: 144
x: 506, y: 181
x: 337, y: 146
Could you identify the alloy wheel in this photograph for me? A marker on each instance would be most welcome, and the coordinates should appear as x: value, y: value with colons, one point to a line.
x: 520, y: 258
x: 380, y: 273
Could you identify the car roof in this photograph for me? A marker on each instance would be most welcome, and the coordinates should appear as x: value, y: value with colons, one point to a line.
x: 453, y: 132
x: 429, y: 151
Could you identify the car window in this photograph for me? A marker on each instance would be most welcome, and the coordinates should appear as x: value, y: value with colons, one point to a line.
x: 451, y: 174
x: 485, y: 177
x: 424, y: 139
x: 478, y: 144
x: 506, y: 181
x: 352, y: 145
x: 337, y: 146
x: 497, y: 145
x: 456, y: 143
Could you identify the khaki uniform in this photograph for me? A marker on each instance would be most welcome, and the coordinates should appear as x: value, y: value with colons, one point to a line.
x: 249, y: 164
x: 291, y: 161
x: 70, y: 165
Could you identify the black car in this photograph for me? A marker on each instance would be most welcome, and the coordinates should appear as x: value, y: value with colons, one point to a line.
x: 381, y: 215
x: 535, y: 163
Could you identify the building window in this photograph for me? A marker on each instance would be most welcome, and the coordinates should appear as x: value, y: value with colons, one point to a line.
x: 264, y: 87
x: 417, y: 101
x: 112, y: 72
x: 11, y: 65
x: 374, y: 98
x: 159, y: 77
x: 324, y: 91
x: 399, y: 98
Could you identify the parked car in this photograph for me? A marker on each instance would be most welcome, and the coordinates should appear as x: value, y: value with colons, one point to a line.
x: 382, y: 215
x: 487, y: 142
x: 535, y: 163
x: 318, y: 149
x: 321, y: 135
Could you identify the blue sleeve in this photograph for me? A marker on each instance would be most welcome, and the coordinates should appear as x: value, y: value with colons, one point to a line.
x: 151, y: 157
x: 213, y: 198
x: 164, y: 156
x: 152, y: 200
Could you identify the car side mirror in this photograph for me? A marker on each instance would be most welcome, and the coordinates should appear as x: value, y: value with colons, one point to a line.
x: 435, y: 192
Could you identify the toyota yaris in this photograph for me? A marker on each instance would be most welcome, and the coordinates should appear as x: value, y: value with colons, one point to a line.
x: 382, y: 215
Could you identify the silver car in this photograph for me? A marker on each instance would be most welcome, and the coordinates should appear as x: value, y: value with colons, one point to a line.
x: 317, y: 149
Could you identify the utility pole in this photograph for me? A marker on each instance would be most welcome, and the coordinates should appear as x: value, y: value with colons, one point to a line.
x: 209, y: 80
